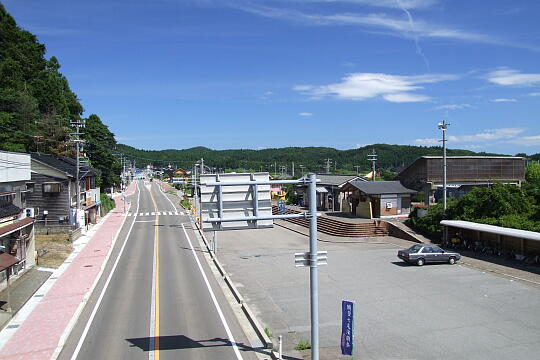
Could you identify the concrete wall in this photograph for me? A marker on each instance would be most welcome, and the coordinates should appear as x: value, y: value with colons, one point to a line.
x: 14, y: 167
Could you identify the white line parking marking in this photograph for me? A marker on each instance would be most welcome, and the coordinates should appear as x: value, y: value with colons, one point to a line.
x: 218, y: 308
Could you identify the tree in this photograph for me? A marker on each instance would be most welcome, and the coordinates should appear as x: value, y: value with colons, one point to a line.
x: 99, y: 143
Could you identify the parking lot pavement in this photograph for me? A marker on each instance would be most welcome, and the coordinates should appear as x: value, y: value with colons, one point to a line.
x: 402, y: 312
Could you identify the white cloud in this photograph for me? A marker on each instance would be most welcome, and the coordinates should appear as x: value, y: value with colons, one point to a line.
x: 453, y: 106
x: 501, y: 134
x: 511, y: 77
x: 393, y: 4
x: 396, y: 25
x: 305, y: 114
x: 500, y: 100
x: 362, y: 86
x: 529, y: 140
x: 534, y: 94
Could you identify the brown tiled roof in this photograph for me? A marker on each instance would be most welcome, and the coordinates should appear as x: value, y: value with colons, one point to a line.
x: 4, y: 230
x: 7, y: 260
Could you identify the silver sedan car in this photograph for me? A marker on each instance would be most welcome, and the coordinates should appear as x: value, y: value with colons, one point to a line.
x: 420, y: 254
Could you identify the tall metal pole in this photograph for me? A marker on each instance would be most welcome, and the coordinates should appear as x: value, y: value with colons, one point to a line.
x: 78, y: 185
x: 443, y: 126
x: 313, y: 279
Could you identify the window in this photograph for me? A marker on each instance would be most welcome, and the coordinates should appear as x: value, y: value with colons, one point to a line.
x: 51, y: 187
x: 30, y: 187
x: 427, y: 250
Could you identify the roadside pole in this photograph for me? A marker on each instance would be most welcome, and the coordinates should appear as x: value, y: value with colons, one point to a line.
x: 313, y: 256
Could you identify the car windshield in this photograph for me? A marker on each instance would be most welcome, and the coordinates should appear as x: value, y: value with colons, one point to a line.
x: 415, y: 248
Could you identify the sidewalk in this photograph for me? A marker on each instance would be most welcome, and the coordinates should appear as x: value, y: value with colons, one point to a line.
x: 21, y: 290
x: 37, y: 330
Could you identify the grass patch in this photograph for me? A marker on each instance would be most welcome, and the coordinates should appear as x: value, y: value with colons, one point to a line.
x: 302, y: 345
x: 52, y: 249
x: 170, y: 192
x: 268, y: 332
x: 185, y: 202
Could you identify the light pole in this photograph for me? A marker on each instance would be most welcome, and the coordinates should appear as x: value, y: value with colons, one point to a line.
x: 443, y: 126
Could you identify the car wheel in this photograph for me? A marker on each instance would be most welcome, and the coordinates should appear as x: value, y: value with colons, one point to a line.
x: 452, y: 260
x: 420, y: 262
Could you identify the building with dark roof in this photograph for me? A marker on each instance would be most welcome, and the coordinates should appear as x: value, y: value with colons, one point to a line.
x: 329, y: 197
x: 53, y: 191
x: 463, y: 172
x: 376, y: 199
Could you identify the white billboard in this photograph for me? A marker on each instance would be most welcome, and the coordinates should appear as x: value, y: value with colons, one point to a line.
x: 237, y: 201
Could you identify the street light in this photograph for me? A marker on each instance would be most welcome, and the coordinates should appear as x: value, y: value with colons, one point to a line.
x: 443, y: 126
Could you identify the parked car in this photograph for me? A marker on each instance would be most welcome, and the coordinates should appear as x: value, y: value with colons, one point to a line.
x: 420, y: 254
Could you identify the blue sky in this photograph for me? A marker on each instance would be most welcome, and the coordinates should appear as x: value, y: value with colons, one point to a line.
x: 256, y: 74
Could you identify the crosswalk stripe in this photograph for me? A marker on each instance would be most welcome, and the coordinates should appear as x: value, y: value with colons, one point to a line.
x: 153, y: 213
x: 146, y: 214
x: 141, y: 214
x: 170, y: 213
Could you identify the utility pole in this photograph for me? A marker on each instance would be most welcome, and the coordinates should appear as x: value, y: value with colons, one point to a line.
x: 293, y: 169
x: 76, y: 138
x: 202, y: 166
x: 373, y: 158
x: 443, y: 126
x: 357, y: 167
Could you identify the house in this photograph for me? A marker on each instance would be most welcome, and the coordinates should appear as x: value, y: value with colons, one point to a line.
x: 376, y: 199
x: 53, y: 191
x: 329, y: 197
x: 425, y: 174
x: 17, y: 245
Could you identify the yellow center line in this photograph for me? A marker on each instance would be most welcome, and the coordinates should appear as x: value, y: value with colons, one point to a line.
x: 156, y: 327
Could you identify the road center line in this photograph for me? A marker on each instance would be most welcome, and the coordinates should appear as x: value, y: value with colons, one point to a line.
x: 216, y: 304
x: 96, y: 307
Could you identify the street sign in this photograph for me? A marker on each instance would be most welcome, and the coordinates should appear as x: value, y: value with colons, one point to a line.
x: 235, y: 201
x: 303, y: 258
x: 347, y: 327
x: 281, y: 206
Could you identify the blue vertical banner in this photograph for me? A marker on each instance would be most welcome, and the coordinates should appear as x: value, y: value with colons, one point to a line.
x: 347, y: 327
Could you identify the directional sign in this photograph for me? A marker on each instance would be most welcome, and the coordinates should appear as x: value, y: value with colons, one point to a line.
x: 347, y: 327
x: 235, y: 201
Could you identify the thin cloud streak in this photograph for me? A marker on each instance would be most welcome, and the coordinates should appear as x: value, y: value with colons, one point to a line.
x: 490, y: 135
x: 400, y: 26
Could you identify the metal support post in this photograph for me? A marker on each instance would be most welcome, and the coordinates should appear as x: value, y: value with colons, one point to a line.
x: 314, y: 291
x: 280, y: 353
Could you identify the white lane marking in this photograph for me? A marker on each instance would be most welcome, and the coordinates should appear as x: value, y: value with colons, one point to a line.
x: 218, y: 308
x: 152, y: 345
x: 102, y: 294
x: 145, y: 221
x: 152, y: 213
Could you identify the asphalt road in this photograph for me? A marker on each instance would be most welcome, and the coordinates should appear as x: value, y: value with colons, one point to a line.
x: 159, y: 302
x: 438, y: 311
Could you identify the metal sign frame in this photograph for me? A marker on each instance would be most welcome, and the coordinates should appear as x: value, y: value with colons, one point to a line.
x: 313, y: 255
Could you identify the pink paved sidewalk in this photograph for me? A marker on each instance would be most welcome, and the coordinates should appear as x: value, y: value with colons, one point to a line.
x: 39, y: 335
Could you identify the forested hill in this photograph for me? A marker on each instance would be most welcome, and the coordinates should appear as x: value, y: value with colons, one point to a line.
x: 37, y: 104
x: 390, y: 157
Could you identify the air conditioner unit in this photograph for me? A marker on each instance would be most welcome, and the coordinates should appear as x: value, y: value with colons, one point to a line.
x: 29, y: 212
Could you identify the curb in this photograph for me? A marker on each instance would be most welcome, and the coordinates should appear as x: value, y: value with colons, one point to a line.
x: 239, y: 298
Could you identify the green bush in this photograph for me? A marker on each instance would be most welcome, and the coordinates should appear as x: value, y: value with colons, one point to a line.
x: 107, y: 203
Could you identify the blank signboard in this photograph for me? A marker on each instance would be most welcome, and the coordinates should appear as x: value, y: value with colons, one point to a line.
x: 238, y: 201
